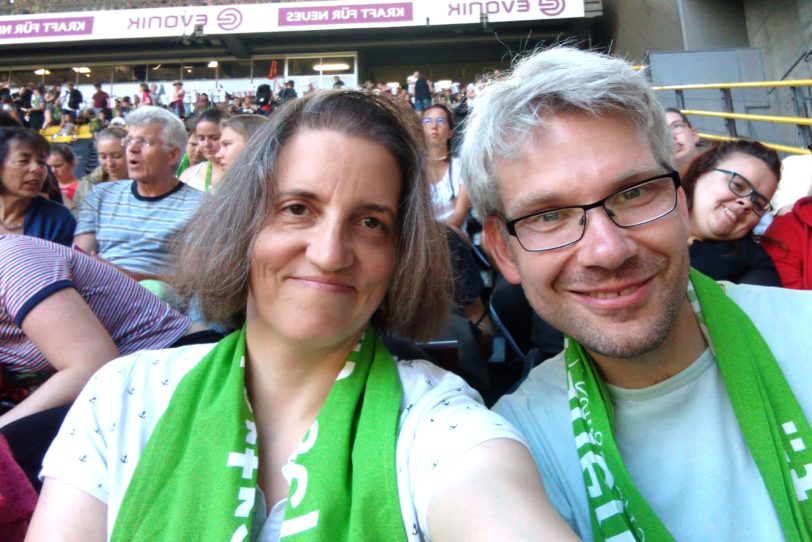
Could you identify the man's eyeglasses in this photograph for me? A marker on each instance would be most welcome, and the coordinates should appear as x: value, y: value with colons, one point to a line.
x: 439, y: 121
x: 143, y: 143
x: 631, y: 206
x: 743, y: 188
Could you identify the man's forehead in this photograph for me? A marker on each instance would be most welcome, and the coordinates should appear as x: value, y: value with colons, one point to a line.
x: 573, y: 156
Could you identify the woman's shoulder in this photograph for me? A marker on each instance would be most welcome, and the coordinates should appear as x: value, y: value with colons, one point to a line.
x: 152, y: 365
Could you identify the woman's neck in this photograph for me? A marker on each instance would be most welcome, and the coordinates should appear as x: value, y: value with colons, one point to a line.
x: 438, y: 153
x: 68, y: 182
x: 12, y: 212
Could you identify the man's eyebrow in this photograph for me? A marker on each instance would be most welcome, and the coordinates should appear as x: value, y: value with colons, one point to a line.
x: 536, y: 201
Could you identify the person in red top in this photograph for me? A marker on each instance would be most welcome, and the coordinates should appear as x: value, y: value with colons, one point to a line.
x: 146, y: 96
x: 101, y: 100
x: 791, y: 245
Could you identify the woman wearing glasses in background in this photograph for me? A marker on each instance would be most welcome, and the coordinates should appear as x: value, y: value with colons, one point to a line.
x: 729, y: 187
x: 448, y: 193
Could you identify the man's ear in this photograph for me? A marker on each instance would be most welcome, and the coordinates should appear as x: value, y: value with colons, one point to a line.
x: 496, y: 243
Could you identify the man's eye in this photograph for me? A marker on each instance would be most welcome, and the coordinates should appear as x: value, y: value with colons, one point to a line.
x: 631, y: 194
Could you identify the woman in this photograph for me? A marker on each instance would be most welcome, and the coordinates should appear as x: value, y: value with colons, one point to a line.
x: 319, y: 241
x: 206, y: 175
x: 62, y: 161
x: 112, y: 164
x: 36, y: 112
x: 192, y: 156
x: 729, y: 187
x: 22, y: 178
x: 178, y: 96
x: 448, y: 192
x: 146, y: 97
x: 236, y: 132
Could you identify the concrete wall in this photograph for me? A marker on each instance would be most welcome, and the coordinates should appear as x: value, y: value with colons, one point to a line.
x: 713, y: 24
x: 782, y: 29
x: 636, y: 27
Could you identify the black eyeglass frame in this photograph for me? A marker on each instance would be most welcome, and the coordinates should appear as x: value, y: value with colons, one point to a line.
x: 673, y: 175
x: 752, y: 193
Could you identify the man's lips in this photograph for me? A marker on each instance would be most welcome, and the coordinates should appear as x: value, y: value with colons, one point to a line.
x: 615, y: 296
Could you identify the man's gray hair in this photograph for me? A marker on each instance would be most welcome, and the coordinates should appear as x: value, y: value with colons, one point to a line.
x: 173, y: 133
x: 542, y: 85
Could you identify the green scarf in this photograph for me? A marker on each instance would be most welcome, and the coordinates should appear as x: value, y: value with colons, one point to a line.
x: 769, y: 417
x: 197, y: 475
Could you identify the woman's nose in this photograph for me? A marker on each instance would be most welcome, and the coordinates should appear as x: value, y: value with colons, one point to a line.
x: 329, y: 246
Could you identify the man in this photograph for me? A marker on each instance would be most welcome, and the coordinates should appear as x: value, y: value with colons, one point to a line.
x: 288, y: 93
x: 422, y: 92
x: 640, y: 430
x: 101, y: 100
x: 685, y: 138
x: 71, y: 99
x: 134, y: 224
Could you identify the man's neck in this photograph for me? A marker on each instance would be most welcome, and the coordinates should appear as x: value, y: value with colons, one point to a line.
x: 683, y: 345
x: 153, y: 189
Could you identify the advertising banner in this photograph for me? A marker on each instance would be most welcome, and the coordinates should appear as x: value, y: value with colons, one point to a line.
x: 273, y: 17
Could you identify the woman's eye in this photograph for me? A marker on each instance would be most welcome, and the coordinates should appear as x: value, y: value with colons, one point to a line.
x: 296, y: 209
x: 372, y: 223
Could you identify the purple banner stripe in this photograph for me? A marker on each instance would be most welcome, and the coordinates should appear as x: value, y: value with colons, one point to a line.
x: 37, y: 28
x: 348, y: 14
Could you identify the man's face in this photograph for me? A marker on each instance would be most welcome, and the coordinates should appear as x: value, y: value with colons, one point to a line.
x: 617, y: 291
x: 149, y: 158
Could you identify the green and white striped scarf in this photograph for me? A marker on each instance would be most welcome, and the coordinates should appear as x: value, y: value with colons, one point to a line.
x: 768, y: 413
x: 197, y: 476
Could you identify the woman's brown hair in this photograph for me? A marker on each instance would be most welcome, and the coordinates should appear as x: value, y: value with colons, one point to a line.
x: 216, y: 255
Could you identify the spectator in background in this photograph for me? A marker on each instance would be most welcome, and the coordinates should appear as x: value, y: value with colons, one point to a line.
x: 23, y: 210
x: 36, y: 110
x: 145, y: 96
x: 202, y: 103
x: 205, y: 175
x: 288, y: 93
x: 247, y: 106
x: 728, y: 188
x: 112, y: 163
x: 133, y: 225
x: 101, y: 100
x: 192, y: 156
x: 176, y: 105
x: 685, y: 138
x: 62, y: 162
x: 156, y: 94
x: 71, y: 99
x: 236, y: 132
x: 449, y: 196
x: 422, y: 92
x: 338, y: 84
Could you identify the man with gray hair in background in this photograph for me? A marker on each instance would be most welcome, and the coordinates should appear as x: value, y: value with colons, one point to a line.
x: 133, y: 224
x: 679, y: 408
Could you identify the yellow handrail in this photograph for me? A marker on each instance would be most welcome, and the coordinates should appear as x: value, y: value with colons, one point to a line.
x: 776, y: 146
x: 748, y: 116
x: 752, y: 84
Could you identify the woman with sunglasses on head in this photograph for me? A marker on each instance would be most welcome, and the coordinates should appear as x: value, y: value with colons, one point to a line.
x: 448, y: 193
x: 729, y: 187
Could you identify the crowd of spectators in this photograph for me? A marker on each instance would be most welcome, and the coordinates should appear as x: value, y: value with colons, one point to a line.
x: 163, y: 158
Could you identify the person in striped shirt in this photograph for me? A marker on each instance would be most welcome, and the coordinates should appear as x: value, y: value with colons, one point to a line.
x: 133, y: 223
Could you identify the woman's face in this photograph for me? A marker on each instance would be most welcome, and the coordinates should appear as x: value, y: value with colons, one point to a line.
x: 63, y: 170
x: 436, y: 127
x: 719, y: 214
x: 231, y: 145
x: 113, y: 158
x: 208, y: 139
x: 23, y: 171
x: 324, y: 260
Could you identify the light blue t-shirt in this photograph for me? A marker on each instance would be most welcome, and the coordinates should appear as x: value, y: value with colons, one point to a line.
x: 679, y: 439
x: 134, y: 231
